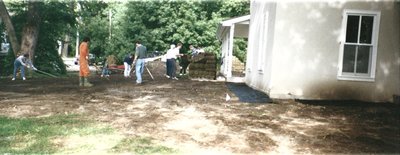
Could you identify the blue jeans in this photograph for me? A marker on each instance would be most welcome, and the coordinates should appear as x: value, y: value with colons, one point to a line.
x: 139, y: 70
x: 105, y: 71
x: 17, y: 65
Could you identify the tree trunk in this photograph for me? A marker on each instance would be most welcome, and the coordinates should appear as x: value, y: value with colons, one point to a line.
x: 65, y: 45
x: 9, y: 28
x: 30, y: 31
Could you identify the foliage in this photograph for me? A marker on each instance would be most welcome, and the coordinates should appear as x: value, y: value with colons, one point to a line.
x: 156, y: 23
x: 2, y: 27
x: 94, y: 24
x: 57, y: 18
x: 160, y: 23
x: 7, y: 64
x: 6, y: 61
x: 239, y: 49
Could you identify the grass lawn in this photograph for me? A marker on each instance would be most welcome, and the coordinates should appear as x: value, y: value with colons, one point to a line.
x: 69, y: 134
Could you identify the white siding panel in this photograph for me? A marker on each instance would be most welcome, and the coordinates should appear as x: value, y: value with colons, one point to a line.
x: 301, y: 44
x: 261, y: 33
x: 306, y: 49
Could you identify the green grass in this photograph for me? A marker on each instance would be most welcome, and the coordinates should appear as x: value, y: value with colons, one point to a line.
x: 69, y: 134
x: 34, y: 135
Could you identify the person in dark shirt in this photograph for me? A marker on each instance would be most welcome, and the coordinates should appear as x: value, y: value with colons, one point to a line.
x: 184, y: 63
x: 193, y: 51
x: 140, y: 56
x: 127, y: 65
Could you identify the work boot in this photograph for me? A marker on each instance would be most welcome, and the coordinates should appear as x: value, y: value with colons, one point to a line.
x: 86, y: 82
x: 80, y: 81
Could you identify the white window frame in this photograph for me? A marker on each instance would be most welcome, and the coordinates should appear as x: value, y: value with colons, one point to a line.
x: 374, y: 41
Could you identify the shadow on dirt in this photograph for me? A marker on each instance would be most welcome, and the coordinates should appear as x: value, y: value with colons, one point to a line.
x: 247, y: 94
x: 347, y: 103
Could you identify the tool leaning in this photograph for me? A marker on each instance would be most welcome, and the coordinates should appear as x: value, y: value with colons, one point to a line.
x: 48, y: 74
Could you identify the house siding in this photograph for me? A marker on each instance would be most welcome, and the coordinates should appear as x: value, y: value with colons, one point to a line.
x: 261, y: 39
x: 302, y: 51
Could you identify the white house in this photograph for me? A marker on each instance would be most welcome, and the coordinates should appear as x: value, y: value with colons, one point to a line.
x: 334, y: 50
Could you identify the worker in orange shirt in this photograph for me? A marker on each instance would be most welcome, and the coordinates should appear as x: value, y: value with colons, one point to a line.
x: 83, y: 63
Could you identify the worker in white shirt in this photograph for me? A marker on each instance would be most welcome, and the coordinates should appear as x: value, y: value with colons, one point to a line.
x: 171, y: 61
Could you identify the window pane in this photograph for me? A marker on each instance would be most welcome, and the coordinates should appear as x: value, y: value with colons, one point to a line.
x: 349, y: 56
x: 363, y: 58
x: 367, y: 23
x: 352, y: 29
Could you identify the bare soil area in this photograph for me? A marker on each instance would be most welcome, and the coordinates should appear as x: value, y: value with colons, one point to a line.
x: 194, y: 116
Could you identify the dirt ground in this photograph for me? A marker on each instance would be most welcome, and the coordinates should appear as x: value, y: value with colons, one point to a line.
x: 194, y: 116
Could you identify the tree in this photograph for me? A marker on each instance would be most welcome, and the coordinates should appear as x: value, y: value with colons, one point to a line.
x: 39, y: 24
x: 57, y: 20
x: 5, y: 16
x: 30, y: 31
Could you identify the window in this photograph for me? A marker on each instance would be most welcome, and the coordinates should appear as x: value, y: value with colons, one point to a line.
x: 359, y: 45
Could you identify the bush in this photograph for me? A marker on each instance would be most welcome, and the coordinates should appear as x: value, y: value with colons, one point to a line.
x: 7, y: 64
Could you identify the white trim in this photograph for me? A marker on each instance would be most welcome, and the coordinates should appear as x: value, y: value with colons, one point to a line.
x: 374, y: 44
x: 230, y: 51
x: 226, y: 33
x: 225, y: 25
x: 355, y: 78
x: 240, y: 19
x: 224, y: 50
